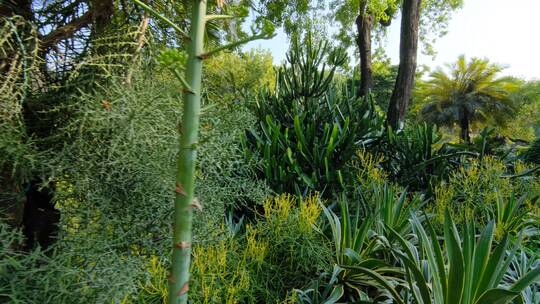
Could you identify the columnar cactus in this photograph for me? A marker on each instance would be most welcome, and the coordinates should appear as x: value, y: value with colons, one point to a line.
x: 185, y: 200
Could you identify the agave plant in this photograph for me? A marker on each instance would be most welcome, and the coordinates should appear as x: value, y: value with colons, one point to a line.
x: 463, y: 271
x: 392, y: 211
x: 511, y: 217
x: 416, y: 158
x: 326, y: 289
x: 522, y: 263
x: 358, y: 271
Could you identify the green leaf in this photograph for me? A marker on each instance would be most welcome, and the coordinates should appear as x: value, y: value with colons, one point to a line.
x: 419, y: 278
x: 379, y: 279
x: 531, y: 277
x: 497, y: 296
x: 456, y: 264
x: 493, y: 267
x: 336, y: 294
x: 481, y: 256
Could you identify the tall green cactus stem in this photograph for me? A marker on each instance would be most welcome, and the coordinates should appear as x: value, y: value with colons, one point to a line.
x: 185, y: 200
x: 185, y: 176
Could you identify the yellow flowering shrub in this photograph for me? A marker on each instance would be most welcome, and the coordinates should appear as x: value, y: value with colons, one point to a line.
x: 278, y: 252
x: 369, y: 171
x: 473, y: 191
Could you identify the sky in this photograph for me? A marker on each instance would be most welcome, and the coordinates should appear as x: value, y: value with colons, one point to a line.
x: 506, y: 32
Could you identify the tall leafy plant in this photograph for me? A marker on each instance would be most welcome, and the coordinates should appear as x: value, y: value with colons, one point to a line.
x: 189, y: 129
x: 416, y: 158
x: 309, y: 127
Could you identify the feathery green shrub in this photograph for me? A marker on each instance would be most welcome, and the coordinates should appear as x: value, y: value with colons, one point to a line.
x: 114, y: 191
x: 18, y: 73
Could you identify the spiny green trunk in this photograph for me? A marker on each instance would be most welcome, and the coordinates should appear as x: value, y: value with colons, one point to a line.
x: 185, y: 175
x: 185, y: 178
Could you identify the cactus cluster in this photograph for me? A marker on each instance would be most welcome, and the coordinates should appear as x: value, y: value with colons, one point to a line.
x: 309, y: 126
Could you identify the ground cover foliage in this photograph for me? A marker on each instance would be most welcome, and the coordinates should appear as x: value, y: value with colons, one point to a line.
x: 360, y: 213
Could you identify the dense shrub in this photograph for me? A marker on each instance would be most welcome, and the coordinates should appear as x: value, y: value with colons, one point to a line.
x: 114, y: 188
x: 308, y: 128
x: 483, y: 191
x: 416, y: 158
x: 230, y: 77
x: 280, y: 251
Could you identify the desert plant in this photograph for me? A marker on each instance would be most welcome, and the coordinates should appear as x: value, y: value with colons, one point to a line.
x: 358, y: 269
x: 512, y: 217
x: 392, y: 210
x: 523, y: 262
x: 189, y: 129
x: 309, y: 129
x: 469, y: 271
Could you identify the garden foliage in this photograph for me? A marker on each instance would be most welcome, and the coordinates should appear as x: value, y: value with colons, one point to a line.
x: 308, y: 127
x: 401, y: 216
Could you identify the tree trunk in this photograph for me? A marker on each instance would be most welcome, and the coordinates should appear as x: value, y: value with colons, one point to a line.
x: 408, y: 48
x: 364, y: 25
x: 464, y: 125
x: 102, y: 12
x: 22, y: 8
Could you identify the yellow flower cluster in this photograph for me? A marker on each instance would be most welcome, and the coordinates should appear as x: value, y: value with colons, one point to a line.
x: 216, y: 281
x: 310, y: 210
x: 368, y: 167
x: 255, y: 249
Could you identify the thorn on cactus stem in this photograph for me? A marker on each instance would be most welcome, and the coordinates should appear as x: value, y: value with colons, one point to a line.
x: 187, y: 91
x: 106, y: 105
x: 184, y: 289
x: 183, y: 245
x: 180, y: 190
x: 196, y: 204
x: 203, y: 56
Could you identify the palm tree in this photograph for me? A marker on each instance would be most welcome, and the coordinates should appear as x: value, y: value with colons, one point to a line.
x: 470, y: 92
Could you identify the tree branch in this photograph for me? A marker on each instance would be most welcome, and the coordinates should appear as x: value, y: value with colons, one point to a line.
x: 65, y: 31
x: 156, y: 14
x: 235, y: 44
